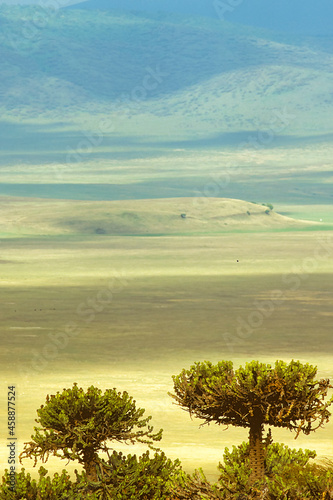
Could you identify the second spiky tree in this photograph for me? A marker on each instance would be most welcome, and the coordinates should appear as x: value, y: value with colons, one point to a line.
x: 286, y: 395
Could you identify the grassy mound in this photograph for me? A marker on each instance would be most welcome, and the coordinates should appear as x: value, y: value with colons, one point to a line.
x: 138, y: 217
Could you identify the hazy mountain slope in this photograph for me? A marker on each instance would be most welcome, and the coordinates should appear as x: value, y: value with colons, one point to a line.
x: 298, y: 16
x: 215, y: 77
x: 108, y: 53
x: 275, y: 98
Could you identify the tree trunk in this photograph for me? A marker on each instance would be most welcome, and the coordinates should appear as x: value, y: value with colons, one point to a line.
x: 257, y: 460
x: 90, y: 462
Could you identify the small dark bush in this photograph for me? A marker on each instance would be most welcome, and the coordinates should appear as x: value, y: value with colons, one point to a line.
x: 121, y: 478
x: 195, y: 487
x: 43, y: 488
x: 289, y: 474
x: 132, y: 478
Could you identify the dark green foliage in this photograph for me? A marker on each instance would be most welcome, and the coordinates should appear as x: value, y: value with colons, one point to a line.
x: 235, y: 470
x: 312, y: 481
x: 78, y: 424
x: 132, y: 478
x: 289, y: 474
x: 44, y: 488
x: 122, y: 478
x: 284, y: 396
x: 269, y: 205
x: 195, y: 487
x: 75, y: 425
x: 157, y: 478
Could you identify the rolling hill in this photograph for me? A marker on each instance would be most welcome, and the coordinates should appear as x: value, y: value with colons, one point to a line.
x: 139, y: 217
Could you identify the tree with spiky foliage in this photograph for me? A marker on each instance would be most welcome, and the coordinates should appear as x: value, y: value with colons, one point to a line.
x: 286, y: 395
x: 76, y: 425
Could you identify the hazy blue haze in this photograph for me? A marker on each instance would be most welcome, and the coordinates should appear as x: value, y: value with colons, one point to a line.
x: 296, y: 16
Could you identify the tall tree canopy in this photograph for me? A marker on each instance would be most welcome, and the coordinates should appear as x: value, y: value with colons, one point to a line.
x: 75, y: 425
x: 286, y: 395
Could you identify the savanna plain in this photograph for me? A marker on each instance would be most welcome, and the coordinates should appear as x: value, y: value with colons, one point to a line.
x: 197, y: 227
x: 128, y: 311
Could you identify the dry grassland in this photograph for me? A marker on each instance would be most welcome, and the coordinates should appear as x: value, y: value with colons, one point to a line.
x: 130, y: 311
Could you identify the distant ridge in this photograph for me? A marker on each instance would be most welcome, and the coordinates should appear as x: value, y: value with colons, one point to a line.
x: 297, y: 16
x: 186, y: 7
